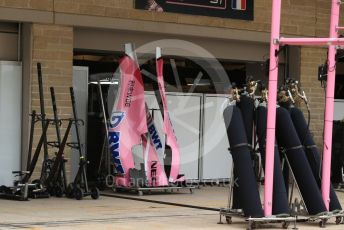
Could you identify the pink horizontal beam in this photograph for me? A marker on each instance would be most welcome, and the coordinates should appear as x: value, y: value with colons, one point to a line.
x: 311, y: 41
x: 340, y: 28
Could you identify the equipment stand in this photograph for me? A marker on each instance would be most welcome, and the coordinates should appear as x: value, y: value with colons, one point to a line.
x: 275, y: 43
x: 229, y: 213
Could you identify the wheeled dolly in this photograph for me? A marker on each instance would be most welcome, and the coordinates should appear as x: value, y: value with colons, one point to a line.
x: 285, y: 220
x: 229, y: 214
x: 140, y: 191
x: 19, y: 192
x: 23, y: 191
x: 299, y: 208
x: 79, y: 188
x: 79, y: 193
x: 324, y: 217
x: 254, y: 222
x: 339, y: 215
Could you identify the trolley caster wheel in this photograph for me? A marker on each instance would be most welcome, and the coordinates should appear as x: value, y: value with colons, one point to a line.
x: 101, y: 182
x: 140, y: 193
x: 78, y: 194
x: 191, y: 191
x: 285, y: 225
x: 322, y: 223
x: 37, y: 183
x: 95, y: 193
x: 228, y: 220
x: 251, y: 225
x: 3, y: 189
x: 338, y: 220
x: 114, y: 189
x: 34, y: 196
x: 58, y: 191
x: 69, y: 191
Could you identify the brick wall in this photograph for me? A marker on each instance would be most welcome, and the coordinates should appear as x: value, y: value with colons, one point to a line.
x: 46, y: 5
x: 310, y: 59
x: 299, y: 17
x: 53, y: 47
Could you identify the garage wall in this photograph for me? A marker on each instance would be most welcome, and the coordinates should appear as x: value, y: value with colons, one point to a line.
x: 52, y: 46
x: 311, y: 58
x: 114, y: 40
x: 28, y: 4
x: 302, y: 17
x: 8, y: 41
x: 299, y: 17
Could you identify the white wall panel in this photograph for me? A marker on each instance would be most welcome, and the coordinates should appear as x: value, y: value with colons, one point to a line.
x: 185, y: 114
x: 216, y: 160
x: 80, y: 85
x: 10, y: 120
x: 338, y: 110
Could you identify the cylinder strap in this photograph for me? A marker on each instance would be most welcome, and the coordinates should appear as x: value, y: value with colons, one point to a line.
x: 264, y: 146
x: 311, y: 146
x: 239, y: 146
x: 296, y: 147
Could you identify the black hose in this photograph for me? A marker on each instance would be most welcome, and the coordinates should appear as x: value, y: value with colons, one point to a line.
x: 160, y: 202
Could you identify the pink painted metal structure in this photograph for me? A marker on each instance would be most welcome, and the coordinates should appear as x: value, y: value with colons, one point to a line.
x: 271, y: 120
x: 312, y: 41
x: 275, y: 43
x: 331, y: 78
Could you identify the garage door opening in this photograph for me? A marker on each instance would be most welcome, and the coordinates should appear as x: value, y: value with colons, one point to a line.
x: 183, y: 76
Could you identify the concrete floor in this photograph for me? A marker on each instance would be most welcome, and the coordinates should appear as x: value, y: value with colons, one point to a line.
x: 115, y: 213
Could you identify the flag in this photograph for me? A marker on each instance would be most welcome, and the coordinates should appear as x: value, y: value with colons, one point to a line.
x: 239, y: 4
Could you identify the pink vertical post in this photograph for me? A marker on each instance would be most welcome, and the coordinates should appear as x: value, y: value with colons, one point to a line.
x: 329, y: 107
x: 271, y: 120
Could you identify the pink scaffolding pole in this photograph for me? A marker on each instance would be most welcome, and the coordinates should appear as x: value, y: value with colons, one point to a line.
x: 311, y: 41
x: 329, y: 106
x: 271, y: 120
x: 276, y: 41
